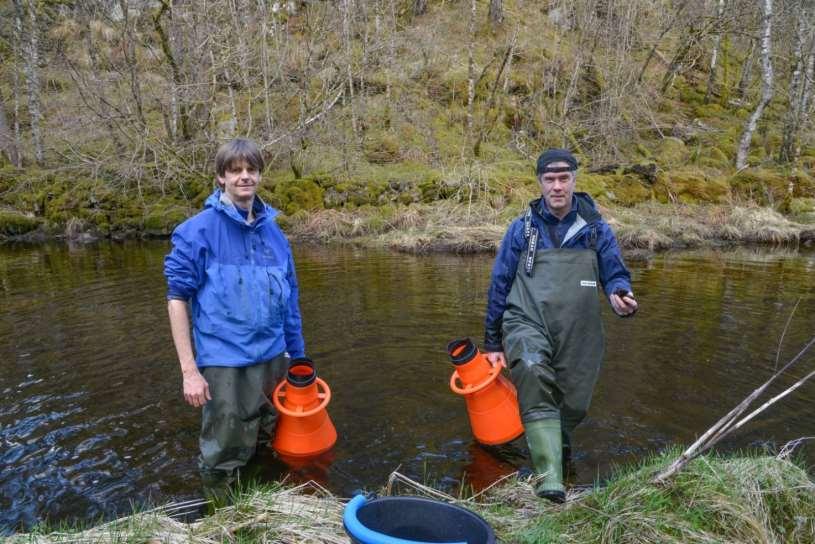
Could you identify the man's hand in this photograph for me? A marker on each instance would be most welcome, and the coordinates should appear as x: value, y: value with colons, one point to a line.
x: 623, y: 304
x: 196, y: 388
x: 496, y: 358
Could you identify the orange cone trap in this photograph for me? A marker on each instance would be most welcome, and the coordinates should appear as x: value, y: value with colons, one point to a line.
x: 304, y: 428
x: 492, y: 402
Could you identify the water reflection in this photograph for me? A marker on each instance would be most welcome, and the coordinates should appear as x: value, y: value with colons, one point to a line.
x: 93, y: 420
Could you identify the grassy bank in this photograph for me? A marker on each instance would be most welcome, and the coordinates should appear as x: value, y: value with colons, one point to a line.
x: 408, y: 127
x: 734, y: 498
x: 463, y: 228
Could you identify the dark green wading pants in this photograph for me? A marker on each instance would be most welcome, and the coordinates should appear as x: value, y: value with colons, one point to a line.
x: 239, y: 409
x: 553, y: 336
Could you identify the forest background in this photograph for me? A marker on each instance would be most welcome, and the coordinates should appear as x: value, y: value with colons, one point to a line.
x: 411, y: 123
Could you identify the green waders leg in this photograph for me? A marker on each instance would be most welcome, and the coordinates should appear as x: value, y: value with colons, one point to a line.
x: 545, y: 448
x: 553, y: 342
x: 231, y: 420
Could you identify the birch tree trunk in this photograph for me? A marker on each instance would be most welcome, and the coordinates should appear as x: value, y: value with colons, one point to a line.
x: 30, y: 59
x: 806, y: 99
x: 767, y: 87
x: 800, y: 81
x: 714, y: 55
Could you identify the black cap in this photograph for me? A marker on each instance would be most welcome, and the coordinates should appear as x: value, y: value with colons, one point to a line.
x: 555, y: 155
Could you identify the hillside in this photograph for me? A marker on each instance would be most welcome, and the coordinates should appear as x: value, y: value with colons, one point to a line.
x: 393, y: 118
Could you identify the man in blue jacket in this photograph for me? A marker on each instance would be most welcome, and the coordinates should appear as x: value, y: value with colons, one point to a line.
x: 232, y: 267
x: 543, y: 313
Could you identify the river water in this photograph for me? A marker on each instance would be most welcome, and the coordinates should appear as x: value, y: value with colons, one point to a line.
x: 92, y: 420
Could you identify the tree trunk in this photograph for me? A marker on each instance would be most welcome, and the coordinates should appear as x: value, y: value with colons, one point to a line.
x: 15, y: 82
x: 419, y: 7
x: 264, y: 66
x: 7, y: 142
x: 714, y: 56
x: 747, y: 70
x: 767, y: 87
x: 496, y: 12
x: 347, y: 6
x: 795, y: 89
x: 662, y: 33
x: 806, y: 99
x: 177, y: 106
x: 470, y: 77
x: 129, y: 54
x: 31, y: 69
x: 679, y: 58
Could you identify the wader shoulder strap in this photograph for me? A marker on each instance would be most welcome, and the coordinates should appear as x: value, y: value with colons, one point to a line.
x: 531, y: 247
x: 531, y: 236
x: 527, y: 223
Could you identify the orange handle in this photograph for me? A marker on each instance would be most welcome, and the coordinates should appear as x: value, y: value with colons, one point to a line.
x: 278, y: 392
x: 494, y: 372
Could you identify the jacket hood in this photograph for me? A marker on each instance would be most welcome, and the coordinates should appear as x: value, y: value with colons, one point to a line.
x: 261, y: 210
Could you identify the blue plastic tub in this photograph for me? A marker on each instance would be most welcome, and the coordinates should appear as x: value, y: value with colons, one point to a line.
x: 413, y: 520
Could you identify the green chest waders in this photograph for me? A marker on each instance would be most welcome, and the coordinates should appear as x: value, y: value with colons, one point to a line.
x: 554, y: 343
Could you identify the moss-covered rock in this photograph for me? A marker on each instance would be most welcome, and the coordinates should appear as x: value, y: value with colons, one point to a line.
x: 596, y: 185
x: 626, y: 190
x: 15, y: 224
x: 162, y: 217
x: 691, y: 187
x: 292, y: 196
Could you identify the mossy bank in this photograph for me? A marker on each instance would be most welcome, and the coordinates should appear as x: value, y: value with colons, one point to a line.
x: 419, y: 209
x: 741, y: 498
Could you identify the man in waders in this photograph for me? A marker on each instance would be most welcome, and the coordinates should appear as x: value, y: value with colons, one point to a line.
x: 543, y: 312
x: 232, y: 264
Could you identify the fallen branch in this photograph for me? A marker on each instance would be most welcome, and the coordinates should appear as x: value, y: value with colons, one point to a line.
x: 731, y: 421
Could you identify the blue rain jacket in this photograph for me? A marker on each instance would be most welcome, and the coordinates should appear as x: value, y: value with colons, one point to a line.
x: 574, y: 231
x: 240, y: 282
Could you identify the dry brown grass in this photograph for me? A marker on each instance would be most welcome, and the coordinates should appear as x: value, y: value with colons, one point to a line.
x: 461, y: 227
x: 656, y: 226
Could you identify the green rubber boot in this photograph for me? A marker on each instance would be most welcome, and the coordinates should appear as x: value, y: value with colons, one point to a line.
x: 546, y: 450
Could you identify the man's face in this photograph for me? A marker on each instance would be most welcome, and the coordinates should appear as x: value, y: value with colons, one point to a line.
x: 240, y: 182
x: 557, y: 189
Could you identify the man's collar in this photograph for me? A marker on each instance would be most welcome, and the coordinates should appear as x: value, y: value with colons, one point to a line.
x: 547, y: 216
x: 255, y: 209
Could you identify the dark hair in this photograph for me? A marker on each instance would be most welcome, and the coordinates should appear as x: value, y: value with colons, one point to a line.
x: 239, y: 149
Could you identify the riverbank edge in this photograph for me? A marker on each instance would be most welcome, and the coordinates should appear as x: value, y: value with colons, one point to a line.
x: 740, y: 497
x: 451, y: 227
